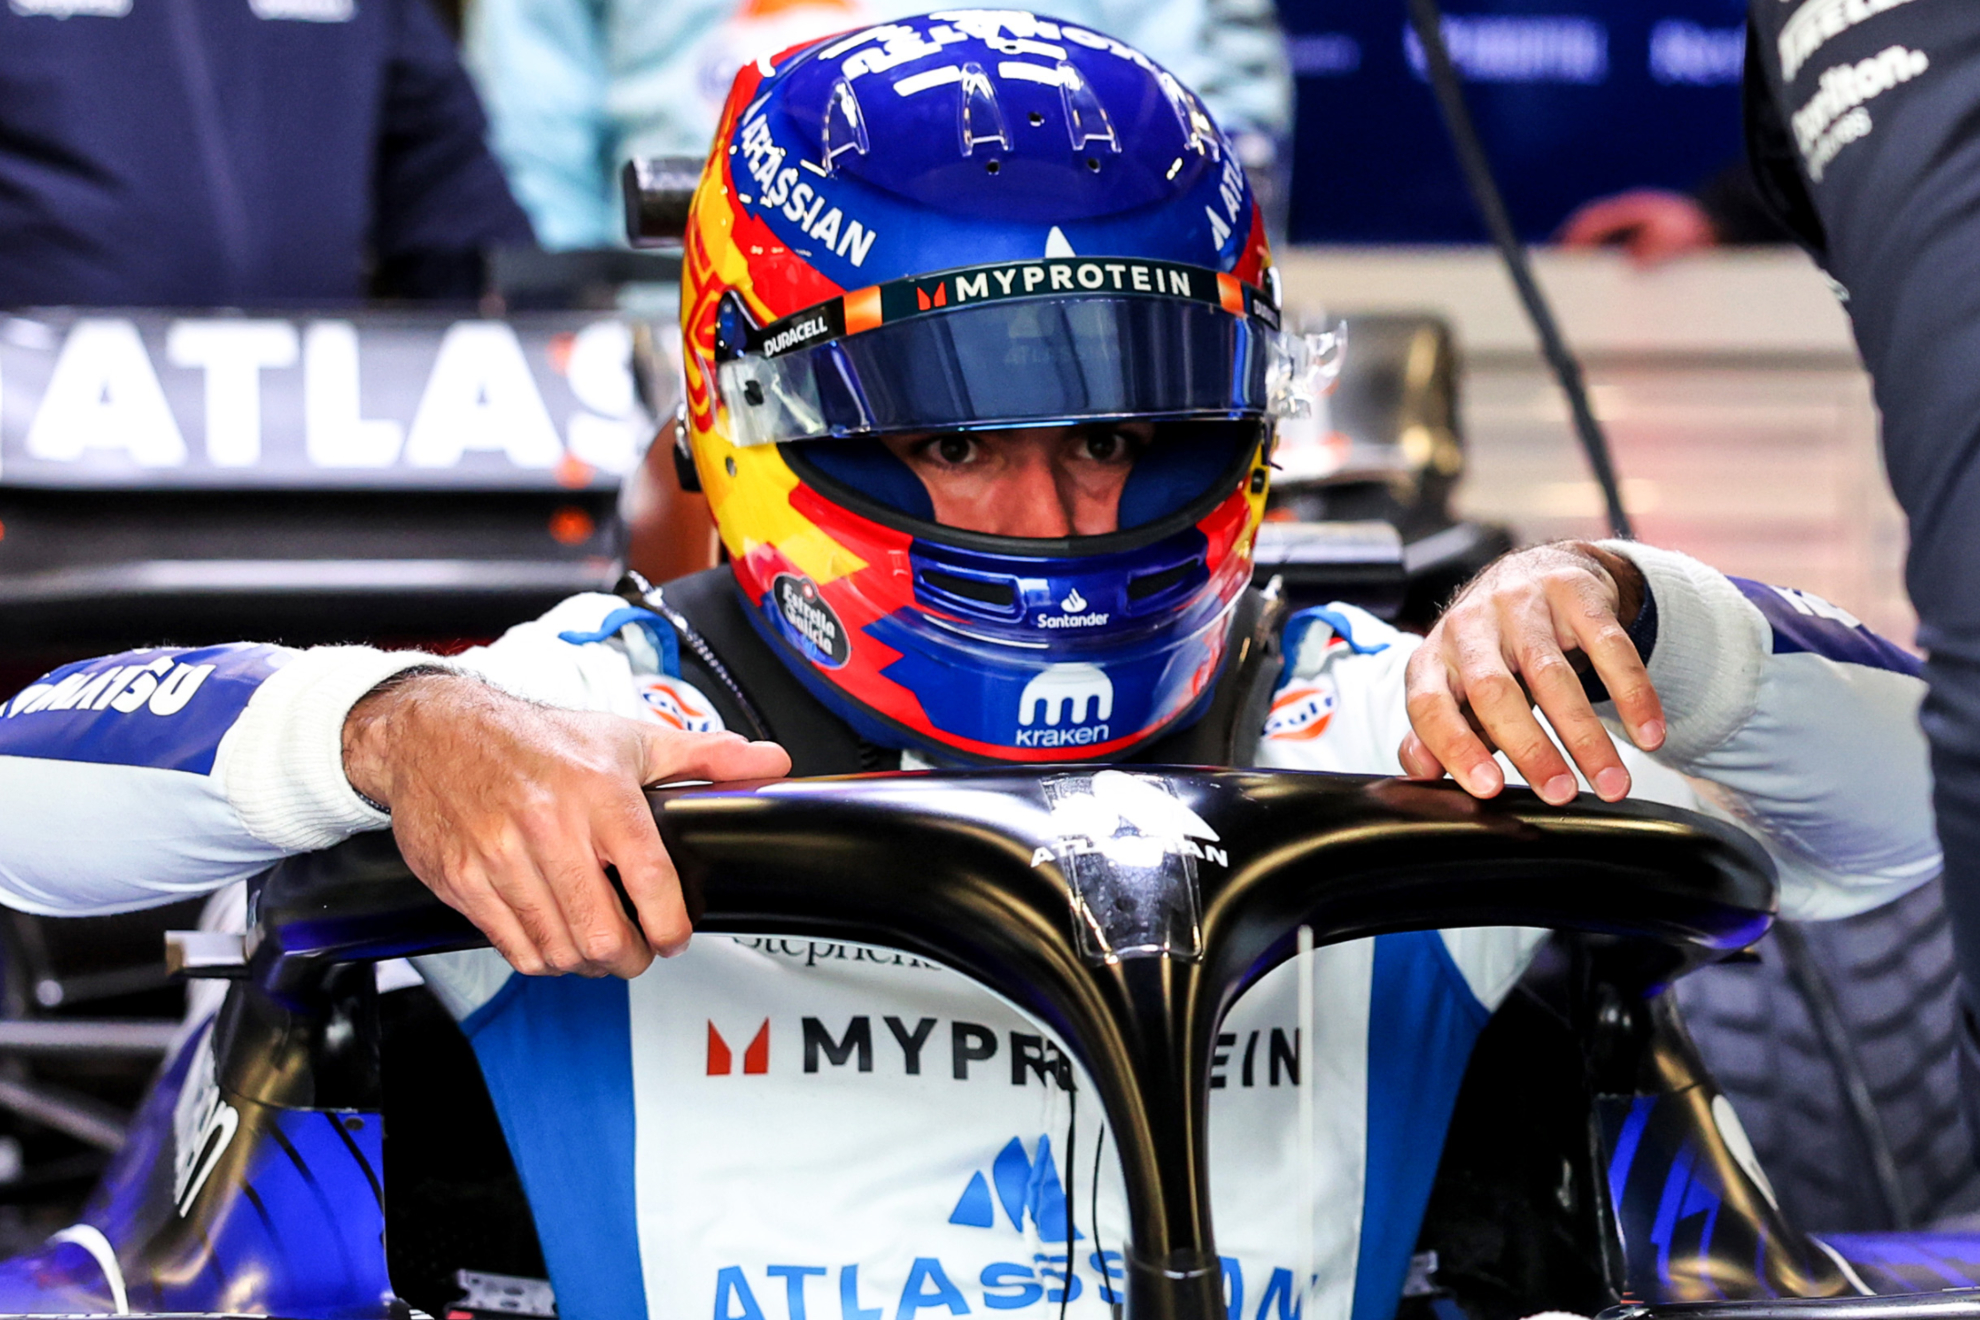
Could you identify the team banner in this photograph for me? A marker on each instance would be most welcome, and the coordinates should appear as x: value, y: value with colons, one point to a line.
x: 412, y: 400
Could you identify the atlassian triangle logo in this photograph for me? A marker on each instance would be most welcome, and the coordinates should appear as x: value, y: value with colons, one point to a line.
x: 1024, y: 1186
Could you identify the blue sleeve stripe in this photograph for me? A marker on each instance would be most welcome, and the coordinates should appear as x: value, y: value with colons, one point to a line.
x: 1423, y: 1020
x: 657, y: 629
x: 1805, y: 623
x: 164, y: 709
x: 557, y: 1055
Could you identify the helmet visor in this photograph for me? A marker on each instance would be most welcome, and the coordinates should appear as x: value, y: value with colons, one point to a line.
x: 1021, y: 363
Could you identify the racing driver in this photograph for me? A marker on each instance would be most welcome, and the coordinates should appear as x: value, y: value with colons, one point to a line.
x: 983, y: 362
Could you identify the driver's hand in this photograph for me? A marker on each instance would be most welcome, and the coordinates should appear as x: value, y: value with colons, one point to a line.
x: 511, y: 812
x: 1503, y: 647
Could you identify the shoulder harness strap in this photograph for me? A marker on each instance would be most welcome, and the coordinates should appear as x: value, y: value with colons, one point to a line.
x: 754, y: 692
x: 1228, y: 732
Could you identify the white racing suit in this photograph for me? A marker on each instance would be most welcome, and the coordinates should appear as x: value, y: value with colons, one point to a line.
x: 777, y: 1129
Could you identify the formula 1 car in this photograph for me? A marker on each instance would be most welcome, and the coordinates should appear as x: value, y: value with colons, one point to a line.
x: 267, y: 1172
x: 316, y: 524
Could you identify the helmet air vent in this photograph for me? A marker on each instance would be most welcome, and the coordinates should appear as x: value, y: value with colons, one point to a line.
x: 1199, y: 134
x: 845, y: 127
x: 1086, y: 118
x: 1140, y: 588
x: 980, y: 118
x: 1000, y: 594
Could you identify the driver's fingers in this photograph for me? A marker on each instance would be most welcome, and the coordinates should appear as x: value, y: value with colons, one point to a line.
x: 474, y: 899
x: 1418, y: 761
x: 1530, y: 627
x: 518, y: 880
x: 1501, y: 705
x: 511, y: 881
x: 1606, y: 643
x: 626, y: 838
x: 604, y: 938
x: 1439, y: 724
x: 672, y: 755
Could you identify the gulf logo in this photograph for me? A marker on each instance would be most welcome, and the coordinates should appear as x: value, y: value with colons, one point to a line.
x: 678, y: 705
x: 1302, y: 712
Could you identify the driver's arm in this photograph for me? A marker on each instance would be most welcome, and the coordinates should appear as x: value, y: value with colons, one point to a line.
x: 1801, y: 722
x: 136, y: 779
x: 140, y: 778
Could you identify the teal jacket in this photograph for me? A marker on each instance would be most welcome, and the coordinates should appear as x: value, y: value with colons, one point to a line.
x: 576, y: 87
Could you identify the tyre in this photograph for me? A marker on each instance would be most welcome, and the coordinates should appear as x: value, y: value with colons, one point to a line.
x: 1839, y: 1049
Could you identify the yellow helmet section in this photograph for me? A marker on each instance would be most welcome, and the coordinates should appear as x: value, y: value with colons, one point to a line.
x: 748, y: 487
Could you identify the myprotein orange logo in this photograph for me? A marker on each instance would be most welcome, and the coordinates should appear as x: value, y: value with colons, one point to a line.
x: 755, y: 1059
x: 929, y: 304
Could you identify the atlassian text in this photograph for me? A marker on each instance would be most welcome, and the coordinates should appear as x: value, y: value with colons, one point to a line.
x: 933, y: 1287
x: 801, y: 203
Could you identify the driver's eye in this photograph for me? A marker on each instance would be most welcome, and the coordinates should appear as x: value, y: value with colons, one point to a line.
x: 954, y: 448
x: 1106, y: 446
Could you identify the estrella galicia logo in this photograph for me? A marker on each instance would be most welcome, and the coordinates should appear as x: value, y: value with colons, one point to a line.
x: 1025, y: 1186
x: 808, y: 622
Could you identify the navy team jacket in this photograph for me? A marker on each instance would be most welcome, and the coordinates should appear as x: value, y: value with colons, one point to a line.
x: 238, y: 152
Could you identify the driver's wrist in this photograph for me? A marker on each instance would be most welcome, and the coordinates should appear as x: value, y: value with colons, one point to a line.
x: 376, y: 729
x: 1632, y: 589
x: 1710, y: 647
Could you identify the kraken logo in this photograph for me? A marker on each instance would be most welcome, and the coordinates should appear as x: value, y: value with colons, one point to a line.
x: 1066, y: 692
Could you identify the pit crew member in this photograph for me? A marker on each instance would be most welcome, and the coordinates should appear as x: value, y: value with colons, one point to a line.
x: 283, y: 152
x: 983, y: 363
x: 1860, y: 129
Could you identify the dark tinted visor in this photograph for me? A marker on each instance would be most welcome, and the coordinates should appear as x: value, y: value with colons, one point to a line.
x: 1026, y: 362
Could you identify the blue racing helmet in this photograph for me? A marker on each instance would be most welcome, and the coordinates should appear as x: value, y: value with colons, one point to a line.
x: 983, y: 220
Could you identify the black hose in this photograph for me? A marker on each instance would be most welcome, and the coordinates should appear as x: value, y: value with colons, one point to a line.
x: 1072, y: 1205
x: 1428, y: 23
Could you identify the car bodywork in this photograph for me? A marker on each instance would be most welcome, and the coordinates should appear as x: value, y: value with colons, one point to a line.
x: 254, y: 1179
